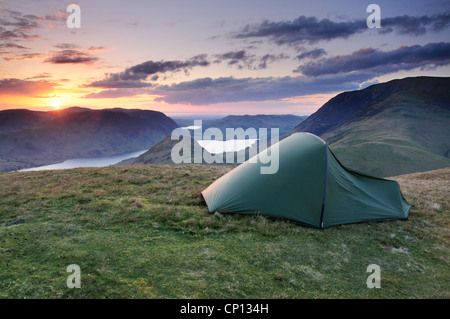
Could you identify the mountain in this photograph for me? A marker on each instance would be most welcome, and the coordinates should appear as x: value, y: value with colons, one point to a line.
x: 161, y: 152
x: 30, y: 138
x: 283, y: 122
x: 398, y: 127
x: 16, y: 120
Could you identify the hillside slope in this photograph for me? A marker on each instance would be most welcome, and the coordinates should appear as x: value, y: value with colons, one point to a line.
x: 392, y: 128
x: 160, y: 154
x: 47, y: 137
x: 283, y: 122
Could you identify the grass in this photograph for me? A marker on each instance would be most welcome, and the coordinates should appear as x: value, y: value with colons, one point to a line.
x: 144, y: 232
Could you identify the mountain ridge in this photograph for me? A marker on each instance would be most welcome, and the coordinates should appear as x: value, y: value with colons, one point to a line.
x: 50, y: 137
x: 391, y: 128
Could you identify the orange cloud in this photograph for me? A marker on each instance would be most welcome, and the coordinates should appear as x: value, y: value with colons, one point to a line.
x: 17, y: 87
x: 25, y: 56
x: 102, y: 48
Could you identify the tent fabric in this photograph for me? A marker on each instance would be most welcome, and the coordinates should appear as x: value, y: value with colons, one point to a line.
x: 311, y: 187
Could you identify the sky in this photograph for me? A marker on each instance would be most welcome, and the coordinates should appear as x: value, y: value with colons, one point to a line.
x: 205, y: 58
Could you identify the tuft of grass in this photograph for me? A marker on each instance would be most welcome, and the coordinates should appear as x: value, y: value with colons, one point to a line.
x: 144, y: 232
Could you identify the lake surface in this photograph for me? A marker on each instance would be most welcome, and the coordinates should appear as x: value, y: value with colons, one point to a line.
x: 101, y: 161
x: 218, y: 147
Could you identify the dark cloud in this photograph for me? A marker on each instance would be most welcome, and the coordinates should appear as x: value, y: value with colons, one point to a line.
x: 10, y: 45
x: 67, y: 46
x: 109, y: 83
x: 143, y: 70
x: 26, y: 88
x: 379, y: 62
x: 312, y: 30
x: 24, y: 23
x: 16, y: 35
x: 312, y: 54
x: 415, y: 25
x: 207, y: 91
x: 14, y: 26
x: 270, y: 58
x: 242, y: 59
x: 232, y: 57
x: 301, y: 30
x: 71, y: 57
x: 134, y: 76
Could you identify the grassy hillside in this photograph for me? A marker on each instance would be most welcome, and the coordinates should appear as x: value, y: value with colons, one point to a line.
x: 144, y: 232
x: 404, y: 135
x: 392, y: 128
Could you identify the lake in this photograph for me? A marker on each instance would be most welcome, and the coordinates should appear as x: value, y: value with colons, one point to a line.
x: 218, y: 146
x: 101, y: 161
x: 212, y: 146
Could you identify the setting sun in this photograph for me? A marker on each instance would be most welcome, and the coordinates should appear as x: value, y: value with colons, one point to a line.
x: 56, y: 104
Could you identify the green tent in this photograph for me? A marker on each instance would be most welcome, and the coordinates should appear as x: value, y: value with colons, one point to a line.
x: 311, y: 187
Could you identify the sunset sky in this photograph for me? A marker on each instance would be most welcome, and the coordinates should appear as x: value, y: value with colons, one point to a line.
x: 192, y: 58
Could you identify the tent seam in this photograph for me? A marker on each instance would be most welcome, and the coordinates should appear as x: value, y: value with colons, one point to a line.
x: 324, y: 187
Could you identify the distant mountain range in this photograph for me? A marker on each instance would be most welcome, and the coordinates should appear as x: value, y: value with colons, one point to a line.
x: 283, y: 122
x: 31, y: 138
x: 397, y: 127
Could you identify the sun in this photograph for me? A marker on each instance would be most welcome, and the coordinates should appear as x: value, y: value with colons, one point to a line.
x: 56, y: 104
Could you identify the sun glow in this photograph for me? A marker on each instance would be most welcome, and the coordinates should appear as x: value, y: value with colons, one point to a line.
x: 56, y: 104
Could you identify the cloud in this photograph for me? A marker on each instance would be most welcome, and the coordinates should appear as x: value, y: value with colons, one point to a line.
x: 313, y: 54
x: 134, y: 76
x: 114, y: 94
x: 311, y: 30
x: 67, y: 46
x: 14, y: 26
x: 416, y: 25
x: 242, y: 59
x: 71, y: 57
x: 25, y: 56
x: 379, y: 62
x: 143, y: 70
x: 232, y: 56
x: 117, y: 84
x: 13, y: 46
x: 270, y: 58
x: 17, y: 22
x: 101, y: 48
x: 16, y: 35
x: 43, y: 75
x: 206, y: 91
x: 26, y: 88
